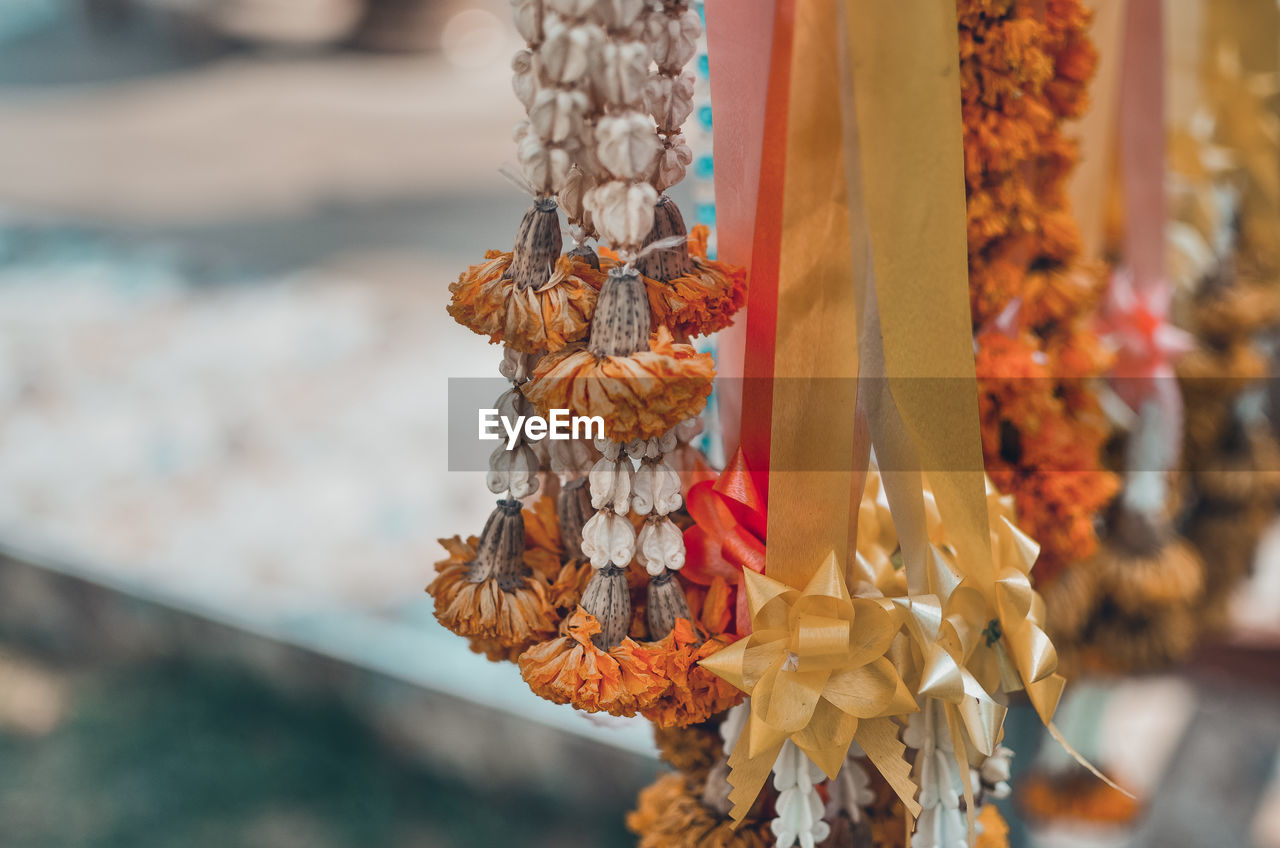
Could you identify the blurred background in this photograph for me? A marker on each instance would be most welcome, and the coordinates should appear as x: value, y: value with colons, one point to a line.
x: 226, y: 232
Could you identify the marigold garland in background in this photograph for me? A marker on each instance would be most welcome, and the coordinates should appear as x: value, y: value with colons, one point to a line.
x: 1022, y: 77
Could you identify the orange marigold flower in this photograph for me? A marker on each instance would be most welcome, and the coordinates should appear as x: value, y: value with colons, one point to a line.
x: 566, y: 589
x: 695, y: 694
x: 638, y: 396
x: 542, y: 550
x: 572, y: 670
x: 496, y: 619
x: 993, y: 830
x: 699, y: 302
x: 529, y: 320
x: 702, y: 301
x: 670, y: 814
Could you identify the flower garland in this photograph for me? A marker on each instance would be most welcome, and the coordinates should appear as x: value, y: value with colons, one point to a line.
x: 1022, y: 77
x: 547, y: 584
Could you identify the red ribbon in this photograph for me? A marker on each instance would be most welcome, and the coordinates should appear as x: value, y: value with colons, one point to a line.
x: 728, y: 534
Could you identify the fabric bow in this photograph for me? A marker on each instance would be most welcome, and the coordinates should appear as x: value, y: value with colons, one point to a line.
x: 815, y: 668
x: 728, y: 534
x: 1135, y: 321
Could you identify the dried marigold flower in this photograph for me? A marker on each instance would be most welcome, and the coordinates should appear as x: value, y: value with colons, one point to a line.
x: 639, y: 396
x: 532, y: 319
x: 695, y: 694
x: 498, y: 621
x: 670, y: 814
x: 691, y: 294
x: 572, y: 670
x: 693, y: 749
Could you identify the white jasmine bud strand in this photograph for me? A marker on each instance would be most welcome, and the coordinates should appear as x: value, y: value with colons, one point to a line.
x: 672, y: 163
x: 527, y: 15
x: 623, y: 212
x: 656, y: 489
x: 568, y: 50
x: 670, y: 99
x: 610, y: 481
x: 608, y: 538
x: 546, y: 168
x: 626, y: 145
x: 660, y: 547
x: 557, y: 114
x: 622, y: 72
x: 524, y: 79
x: 674, y: 39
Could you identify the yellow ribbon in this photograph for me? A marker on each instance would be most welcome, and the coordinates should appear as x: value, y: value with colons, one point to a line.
x: 816, y: 669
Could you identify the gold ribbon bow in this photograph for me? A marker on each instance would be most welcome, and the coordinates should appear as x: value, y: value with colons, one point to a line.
x: 975, y: 644
x: 815, y: 668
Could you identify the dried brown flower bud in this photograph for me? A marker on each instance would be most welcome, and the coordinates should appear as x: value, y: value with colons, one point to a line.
x: 665, y: 605
x: 620, y: 326
x: 666, y: 263
x: 573, y: 506
x: 538, y: 244
x: 609, y: 601
x: 500, y: 552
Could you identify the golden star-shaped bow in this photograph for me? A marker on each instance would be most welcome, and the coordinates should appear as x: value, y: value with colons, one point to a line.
x: 815, y: 667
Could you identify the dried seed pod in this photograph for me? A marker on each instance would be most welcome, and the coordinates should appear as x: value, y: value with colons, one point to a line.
x: 586, y: 254
x: 665, y: 605
x: 620, y: 326
x: 672, y: 163
x: 538, y: 244
x: 660, y: 546
x: 665, y: 264
x: 609, y: 600
x: 622, y: 73
x: 608, y: 539
x: 622, y: 211
x: 673, y: 39
x: 625, y: 145
x: 524, y: 78
x: 500, y: 551
x: 573, y: 507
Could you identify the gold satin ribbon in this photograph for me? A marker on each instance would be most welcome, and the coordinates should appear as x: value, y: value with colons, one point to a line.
x: 816, y: 352
x: 816, y: 668
x: 905, y: 87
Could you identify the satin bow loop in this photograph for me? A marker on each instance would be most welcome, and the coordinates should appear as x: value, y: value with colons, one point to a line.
x: 815, y: 667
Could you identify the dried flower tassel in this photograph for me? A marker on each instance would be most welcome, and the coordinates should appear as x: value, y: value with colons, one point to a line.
x: 538, y: 245
x: 609, y: 601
